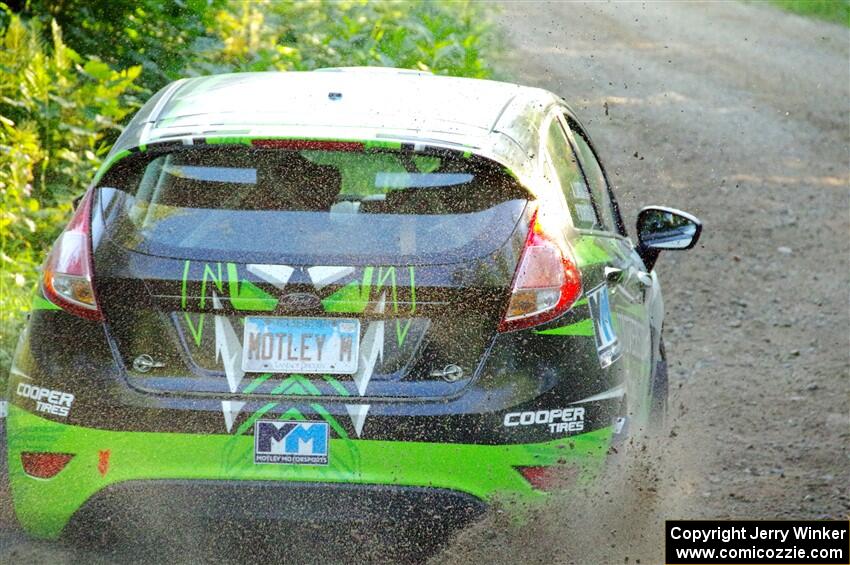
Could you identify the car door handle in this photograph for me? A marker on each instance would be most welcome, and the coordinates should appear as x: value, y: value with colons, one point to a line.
x: 614, y: 274
x: 643, y: 278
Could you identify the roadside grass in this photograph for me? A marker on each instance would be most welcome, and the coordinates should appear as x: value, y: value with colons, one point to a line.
x: 836, y: 11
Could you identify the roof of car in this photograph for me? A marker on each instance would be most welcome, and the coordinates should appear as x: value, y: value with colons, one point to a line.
x: 369, y: 98
x: 495, y: 119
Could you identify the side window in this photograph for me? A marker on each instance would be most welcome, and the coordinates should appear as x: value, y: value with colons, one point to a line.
x: 598, y: 186
x: 570, y: 179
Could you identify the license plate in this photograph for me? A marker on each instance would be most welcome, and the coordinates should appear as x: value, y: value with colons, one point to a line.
x: 301, y: 345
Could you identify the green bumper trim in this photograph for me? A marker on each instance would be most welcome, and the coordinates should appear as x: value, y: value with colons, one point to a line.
x: 44, y: 506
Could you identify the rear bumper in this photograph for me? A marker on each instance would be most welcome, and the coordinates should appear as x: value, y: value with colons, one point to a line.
x: 247, y: 501
x: 368, y: 475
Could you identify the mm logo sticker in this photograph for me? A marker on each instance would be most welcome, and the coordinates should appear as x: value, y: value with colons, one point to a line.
x: 291, y: 443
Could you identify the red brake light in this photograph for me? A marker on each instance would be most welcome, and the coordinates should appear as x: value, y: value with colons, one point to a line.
x: 551, y: 478
x: 44, y: 465
x: 67, y: 277
x: 546, y: 284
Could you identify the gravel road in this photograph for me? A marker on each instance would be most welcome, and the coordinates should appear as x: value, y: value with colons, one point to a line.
x: 738, y: 113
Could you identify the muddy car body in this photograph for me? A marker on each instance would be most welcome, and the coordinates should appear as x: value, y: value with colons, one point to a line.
x: 337, y: 294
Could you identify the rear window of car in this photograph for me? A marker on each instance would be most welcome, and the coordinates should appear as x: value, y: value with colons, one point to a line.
x: 251, y: 204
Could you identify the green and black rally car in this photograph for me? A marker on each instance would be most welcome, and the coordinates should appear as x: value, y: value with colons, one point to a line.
x: 335, y: 294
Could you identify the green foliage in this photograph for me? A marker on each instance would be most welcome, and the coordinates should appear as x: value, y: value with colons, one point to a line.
x: 19, y: 151
x: 193, y: 37
x: 441, y: 36
x: 71, y: 103
x: 159, y: 35
x: 63, y: 100
x: 837, y: 11
x: 56, y: 110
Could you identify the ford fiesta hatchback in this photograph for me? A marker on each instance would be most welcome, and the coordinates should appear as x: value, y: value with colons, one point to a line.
x: 337, y: 294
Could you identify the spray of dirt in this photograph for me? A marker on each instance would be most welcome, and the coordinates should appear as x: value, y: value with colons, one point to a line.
x: 617, y: 519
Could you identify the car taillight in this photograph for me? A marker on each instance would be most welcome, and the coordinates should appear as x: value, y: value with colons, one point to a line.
x: 67, y: 277
x: 549, y: 478
x: 547, y: 281
x: 44, y: 465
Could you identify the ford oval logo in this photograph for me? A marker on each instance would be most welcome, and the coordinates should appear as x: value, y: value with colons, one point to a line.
x: 300, y: 301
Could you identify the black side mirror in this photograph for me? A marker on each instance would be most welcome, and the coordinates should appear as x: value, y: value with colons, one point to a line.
x: 665, y: 228
x: 75, y: 203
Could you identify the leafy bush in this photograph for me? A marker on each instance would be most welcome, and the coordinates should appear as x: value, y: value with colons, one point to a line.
x: 158, y: 35
x: 56, y: 109
x: 195, y: 37
x: 444, y: 37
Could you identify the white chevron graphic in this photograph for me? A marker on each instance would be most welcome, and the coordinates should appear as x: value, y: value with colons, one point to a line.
x: 358, y: 415
x: 278, y: 275
x: 231, y: 409
x: 617, y: 392
x: 228, y: 349
x: 323, y: 276
x: 371, y: 348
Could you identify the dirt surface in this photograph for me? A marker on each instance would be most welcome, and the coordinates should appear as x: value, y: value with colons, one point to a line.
x: 737, y: 113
